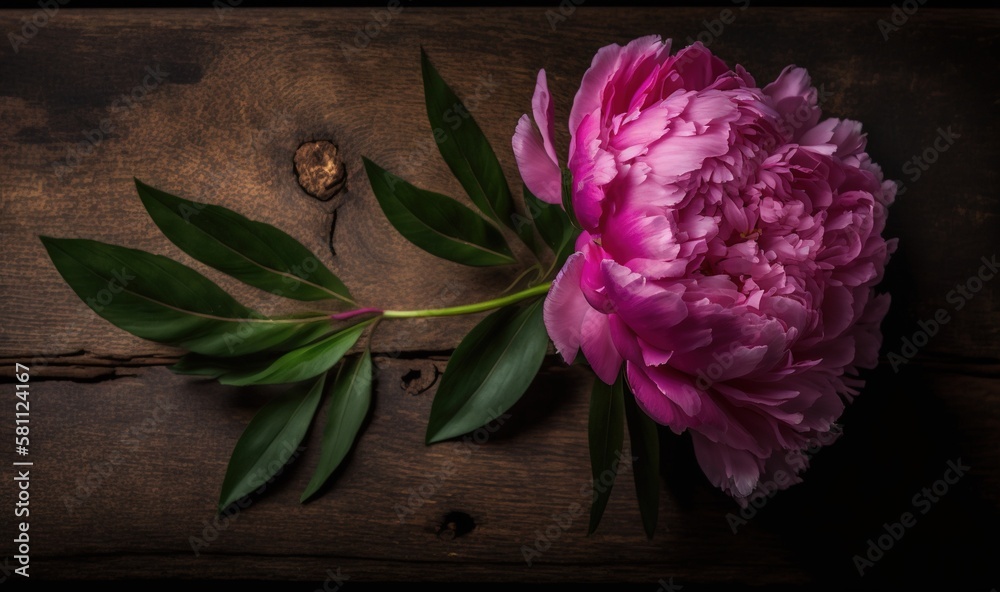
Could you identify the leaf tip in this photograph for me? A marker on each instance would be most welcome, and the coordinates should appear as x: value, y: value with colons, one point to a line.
x: 308, y: 493
x: 51, y: 244
x: 230, y: 379
x: 433, y: 437
x: 140, y: 186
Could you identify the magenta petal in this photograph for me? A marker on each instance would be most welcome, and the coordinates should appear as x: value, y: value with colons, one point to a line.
x: 565, y: 309
x: 593, y: 168
x: 649, y: 398
x: 632, y: 234
x: 598, y: 346
x: 540, y: 173
x: 731, y: 248
x: 677, y: 387
x: 609, y: 61
x: 648, y: 309
x: 698, y: 67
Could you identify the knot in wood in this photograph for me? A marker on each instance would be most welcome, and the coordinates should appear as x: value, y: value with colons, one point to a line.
x: 319, y: 169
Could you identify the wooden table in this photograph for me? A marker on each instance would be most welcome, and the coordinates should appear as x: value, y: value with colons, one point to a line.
x: 129, y: 458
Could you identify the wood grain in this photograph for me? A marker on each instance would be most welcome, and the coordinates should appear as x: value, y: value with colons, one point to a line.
x: 131, y: 468
x: 230, y: 96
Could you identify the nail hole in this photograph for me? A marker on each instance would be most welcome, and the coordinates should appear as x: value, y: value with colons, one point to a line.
x: 456, y: 524
x: 416, y: 381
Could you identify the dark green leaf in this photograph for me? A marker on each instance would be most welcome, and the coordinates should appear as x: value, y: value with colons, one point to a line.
x: 464, y: 147
x: 523, y: 227
x: 437, y: 223
x: 567, y: 197
x: 553, y: 225
x: 211, y: 367
x: 253, y: 252
x: 302, y: 363
x: 270, y: 440
x: 351, y: 399
x: 645, y: 446
x: 606, y: 435
x: 159, y: 299
x: 489, y: 371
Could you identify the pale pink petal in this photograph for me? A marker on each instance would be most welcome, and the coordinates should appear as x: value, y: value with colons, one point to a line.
x: 565, y: 309
x: 542, y: 110
x: 793, y: 82
x: 735, y: 471
x: 540, y: 173
x: 848, y: 138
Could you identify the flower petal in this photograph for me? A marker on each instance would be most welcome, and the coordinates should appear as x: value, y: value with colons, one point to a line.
x: 565, y: 309
x: 542, y: 110
x: 735, y: 471
x: 608, y: 62
x: 540, y: 173
x: 595, y: 339
x: 652, y: 401
x: 649, y: 310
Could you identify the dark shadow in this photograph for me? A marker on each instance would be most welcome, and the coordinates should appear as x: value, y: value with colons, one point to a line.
x: 898, y: 439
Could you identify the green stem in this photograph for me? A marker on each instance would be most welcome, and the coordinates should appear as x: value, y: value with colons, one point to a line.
x: 469, y: 308
x: 552, y: 267
x: 520, y: 277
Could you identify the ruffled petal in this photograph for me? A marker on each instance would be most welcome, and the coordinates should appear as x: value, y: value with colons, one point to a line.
x: 734, y: 471
x: 608, y: 62
x: 565, y: 309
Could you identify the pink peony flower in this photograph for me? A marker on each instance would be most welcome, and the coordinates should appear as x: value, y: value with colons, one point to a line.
x: 731, y: 242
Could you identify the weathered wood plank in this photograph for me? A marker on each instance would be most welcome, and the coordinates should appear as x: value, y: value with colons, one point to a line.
x: 240, y: 93
x: 128, y: 471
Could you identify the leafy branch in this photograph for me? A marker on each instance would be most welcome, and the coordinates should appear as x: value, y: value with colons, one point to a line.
x: 157, y: 298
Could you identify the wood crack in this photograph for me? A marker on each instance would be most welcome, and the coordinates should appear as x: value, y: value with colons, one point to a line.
x: 89, y: 367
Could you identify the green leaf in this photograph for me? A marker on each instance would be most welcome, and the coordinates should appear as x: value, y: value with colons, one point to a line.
x: 159, y: 299
x: 489, y: 371
x: 553, y: 225
x: 606, y: 434
x: 351, y: 399
x: 465, y: 148
x: 437, y: 223
x: 523, y: 227
x: 269, y: 441
x: 302, y: 363
x: 645, y: 446
x: 193, y: 364
x: 567, y: 197
x: 252, y: 252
